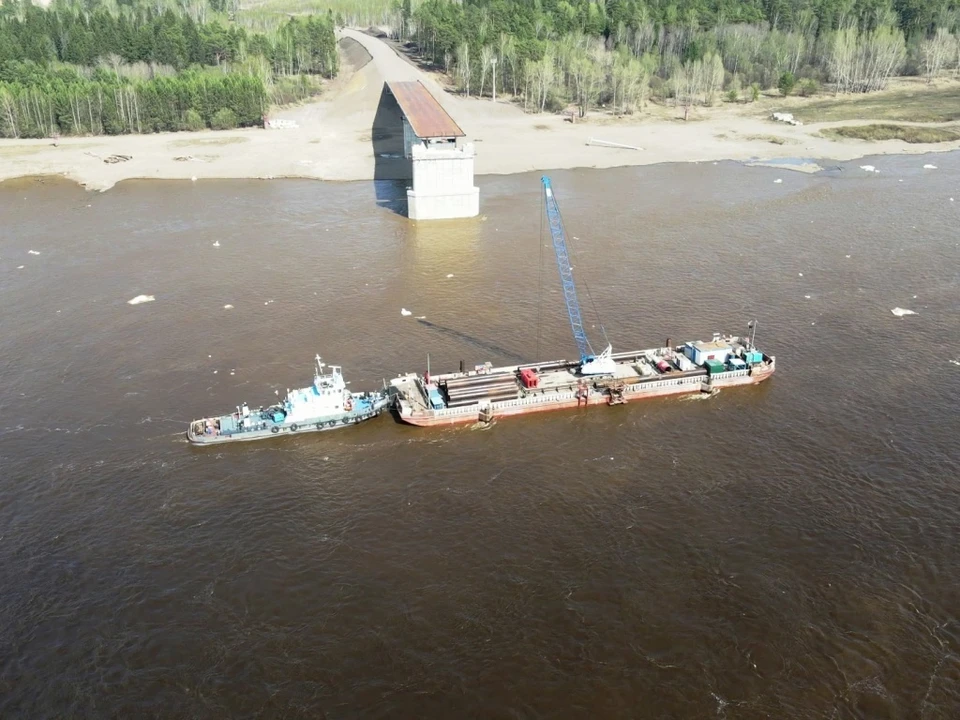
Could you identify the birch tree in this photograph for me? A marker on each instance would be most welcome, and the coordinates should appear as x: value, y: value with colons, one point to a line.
x: 463, y: 67
x: 486, y: 55
x: 935, y: 52
x: 865, y: 61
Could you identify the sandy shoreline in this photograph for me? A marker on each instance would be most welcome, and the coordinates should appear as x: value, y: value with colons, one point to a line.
x: 332, y: 140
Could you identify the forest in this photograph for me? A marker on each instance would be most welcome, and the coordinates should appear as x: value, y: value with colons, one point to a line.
x: 91, y: 68
x: 556, y: 53
x: 125, y: 66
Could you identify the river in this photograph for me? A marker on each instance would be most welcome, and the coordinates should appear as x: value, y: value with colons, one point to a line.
x: 781, y: 551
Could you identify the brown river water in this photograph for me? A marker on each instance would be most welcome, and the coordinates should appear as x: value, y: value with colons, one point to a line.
x: 782, y: 551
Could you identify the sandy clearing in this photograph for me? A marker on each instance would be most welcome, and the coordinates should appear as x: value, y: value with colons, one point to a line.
x: 332, y: 140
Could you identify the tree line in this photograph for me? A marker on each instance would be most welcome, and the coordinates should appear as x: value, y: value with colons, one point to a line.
x: 73, y: 69
x: 556, y: 52
x: 37, y: 101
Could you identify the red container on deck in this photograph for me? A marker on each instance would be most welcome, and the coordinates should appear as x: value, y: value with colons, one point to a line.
x: 663, y: 366
x: 529, y: 378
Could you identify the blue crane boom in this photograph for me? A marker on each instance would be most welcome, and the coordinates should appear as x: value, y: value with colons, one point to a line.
x: 566, y: 272
x: 590, y: 363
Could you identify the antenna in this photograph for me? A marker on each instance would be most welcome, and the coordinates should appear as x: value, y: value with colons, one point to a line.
x: 752, y: 325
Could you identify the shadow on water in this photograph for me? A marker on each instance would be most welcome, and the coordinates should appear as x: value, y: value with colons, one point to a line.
x: 391, y: 171
x: 476, y: 342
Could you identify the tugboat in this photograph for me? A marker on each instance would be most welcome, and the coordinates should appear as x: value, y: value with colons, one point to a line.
x: 325, y: 405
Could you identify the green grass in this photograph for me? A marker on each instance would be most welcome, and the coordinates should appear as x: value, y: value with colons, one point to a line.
x: 906, y: 133
x: 914, y: 103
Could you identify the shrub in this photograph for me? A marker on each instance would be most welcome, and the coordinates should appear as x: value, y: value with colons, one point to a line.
x: 192, y: 121
x: 808, y: 87
x: 733, y: 93
x: 224, y: 119
x: 786, y: 83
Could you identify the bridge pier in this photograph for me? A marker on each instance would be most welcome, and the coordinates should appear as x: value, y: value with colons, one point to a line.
x: 442, y: 171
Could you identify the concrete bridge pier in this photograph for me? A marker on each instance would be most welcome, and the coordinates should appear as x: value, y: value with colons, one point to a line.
x: 442, y: 183
x: 442, y: 170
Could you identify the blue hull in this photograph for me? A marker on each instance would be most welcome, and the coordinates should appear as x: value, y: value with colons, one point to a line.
x: 262, y: 428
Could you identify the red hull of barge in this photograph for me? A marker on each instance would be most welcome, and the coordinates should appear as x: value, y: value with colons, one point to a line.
x: 594, y: 399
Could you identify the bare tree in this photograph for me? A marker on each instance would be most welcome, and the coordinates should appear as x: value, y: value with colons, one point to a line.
x: 865, y: 61
x: 530, y: 74
x: 934, y: 53
x: 486, y: 55
x: 463, y: 67
x: 508, y: 56
x: 546, y: 73
x: 9, y: 112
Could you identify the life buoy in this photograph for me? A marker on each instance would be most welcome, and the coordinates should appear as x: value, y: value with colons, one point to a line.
x: 331, y: 423
x: 319, y: 425
x: 346, y: 421
x: 294, y: 428
x: 274, y: 429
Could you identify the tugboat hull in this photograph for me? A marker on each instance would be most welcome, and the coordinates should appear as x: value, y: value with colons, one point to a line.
x: 196, y: 435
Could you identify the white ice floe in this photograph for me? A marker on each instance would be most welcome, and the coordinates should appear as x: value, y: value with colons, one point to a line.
x: 868, y: 168
x: 32, y: 252
x: 216, y: 243
x: 420, y: 317
x: 807, y: 297
x: 848, y: 257
x: 900, y: 312
x: 450, y: 275
x: 778, y: 181
x: 193, y: 178
x: 141, y: 299
x: 928, y: 166
x: 20, y: 267
x: 228, y: 307
x: 955, y: 362
x: 405, y: 312
x: 800, y: 274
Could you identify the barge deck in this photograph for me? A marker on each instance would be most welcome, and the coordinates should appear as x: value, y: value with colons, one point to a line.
x: 486, y: 392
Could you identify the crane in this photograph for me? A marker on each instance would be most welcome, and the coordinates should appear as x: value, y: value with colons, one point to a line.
x: 590, y: 363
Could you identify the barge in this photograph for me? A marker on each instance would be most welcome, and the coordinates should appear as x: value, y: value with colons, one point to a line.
x: 327, y: 404
x: 486, y: 393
